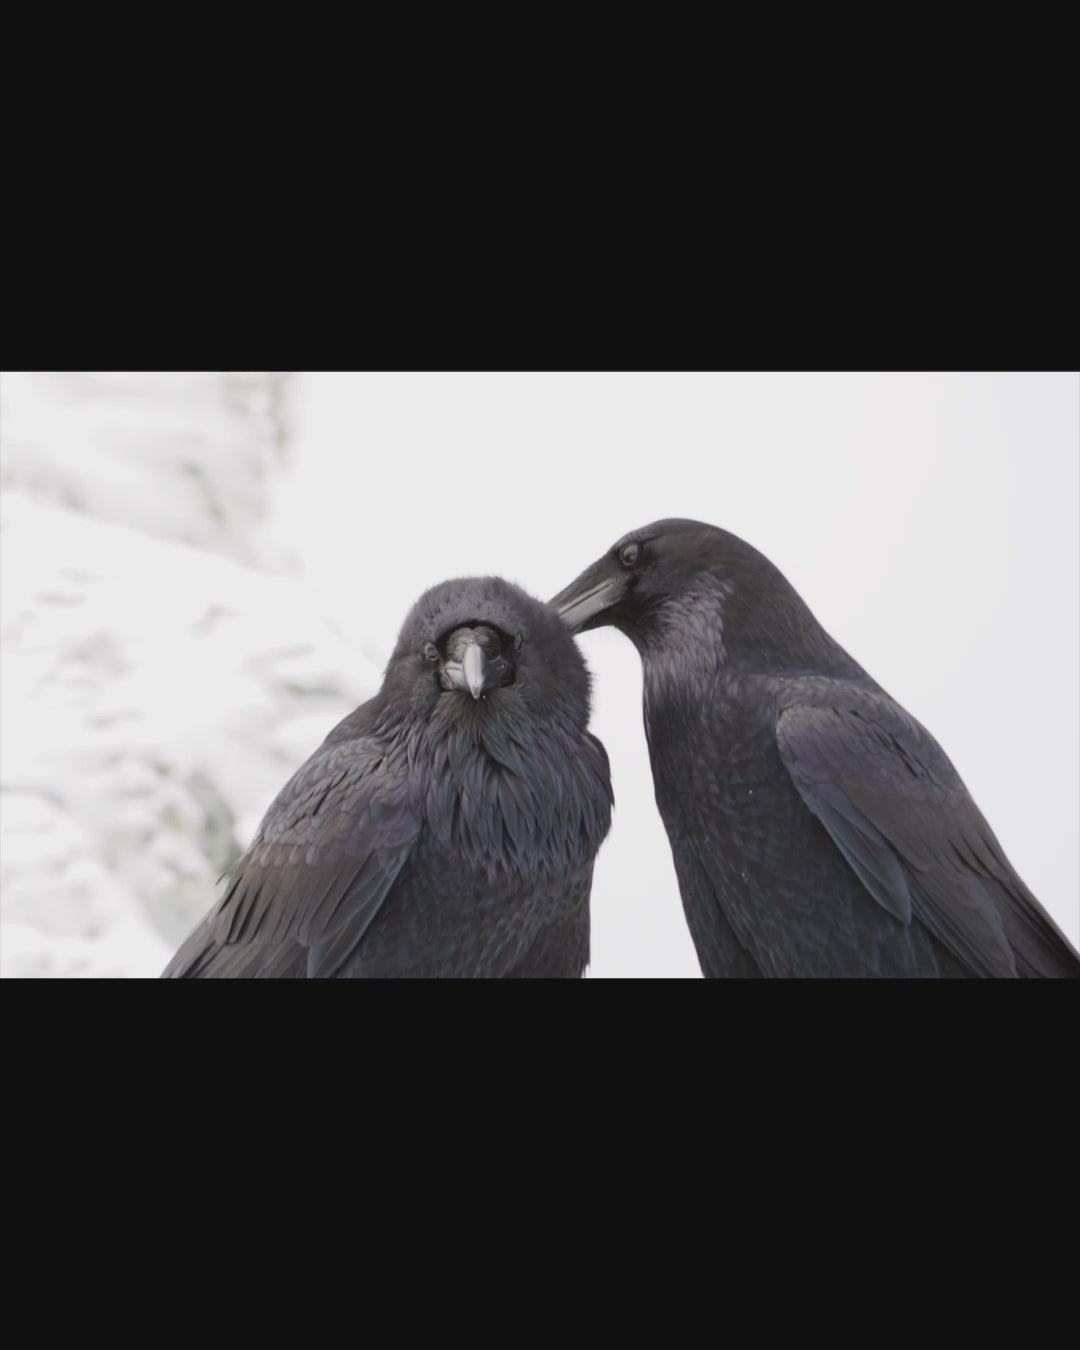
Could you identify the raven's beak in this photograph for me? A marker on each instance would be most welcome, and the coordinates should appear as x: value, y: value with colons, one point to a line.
x: 474, y: 664
x: 585, y: 598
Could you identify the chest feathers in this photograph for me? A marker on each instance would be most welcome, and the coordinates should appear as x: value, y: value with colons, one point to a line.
x: 510, y: 797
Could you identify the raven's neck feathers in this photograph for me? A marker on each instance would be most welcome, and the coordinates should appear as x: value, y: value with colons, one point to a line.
x: 509, y: 794
x: 756, y: 623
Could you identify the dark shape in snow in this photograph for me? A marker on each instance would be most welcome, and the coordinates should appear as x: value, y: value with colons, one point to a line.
x: 447, y: 827
x: 817, y: 829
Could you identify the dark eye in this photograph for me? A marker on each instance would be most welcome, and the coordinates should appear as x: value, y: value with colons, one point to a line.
x: 430, y: 651
x: 628, y: 554
x: 519, y: 642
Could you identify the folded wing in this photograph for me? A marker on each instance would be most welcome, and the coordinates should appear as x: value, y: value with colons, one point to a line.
x: 900, y: 814
x: 322, y: 863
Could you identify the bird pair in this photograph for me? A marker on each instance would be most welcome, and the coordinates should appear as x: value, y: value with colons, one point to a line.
x: 449, y: 826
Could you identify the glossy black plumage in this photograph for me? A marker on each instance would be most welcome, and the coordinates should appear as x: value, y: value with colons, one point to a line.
x: 447, y: 827
x: 817, y: 829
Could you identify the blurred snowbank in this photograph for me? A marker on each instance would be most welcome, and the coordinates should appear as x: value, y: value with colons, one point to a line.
x: 155, y: 695
x: 180, y: 456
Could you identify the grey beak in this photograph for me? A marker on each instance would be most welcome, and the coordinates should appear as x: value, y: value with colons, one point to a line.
x: 474, y: 664
x: 576, y: 606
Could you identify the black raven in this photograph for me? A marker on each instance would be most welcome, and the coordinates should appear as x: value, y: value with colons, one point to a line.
x: 817, y: 829
x: 447, y: 827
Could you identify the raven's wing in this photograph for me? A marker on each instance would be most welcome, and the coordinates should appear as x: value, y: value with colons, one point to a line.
x: 900, y: 814
x: 325, y: 856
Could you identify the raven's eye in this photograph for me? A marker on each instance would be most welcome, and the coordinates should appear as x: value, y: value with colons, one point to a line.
x: 430, y: 651
x: 628, y: 554
x: 519, y: 642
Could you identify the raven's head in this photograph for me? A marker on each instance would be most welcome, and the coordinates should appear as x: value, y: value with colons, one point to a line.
x: 635, y: 580
x: 485, y: 641
x: 678, y: 582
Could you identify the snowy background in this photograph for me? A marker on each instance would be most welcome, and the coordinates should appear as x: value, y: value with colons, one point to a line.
x: 201, y: 573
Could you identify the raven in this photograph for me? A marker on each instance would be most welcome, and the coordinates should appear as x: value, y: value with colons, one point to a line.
x: 447, y: 827
x: 816, y: 828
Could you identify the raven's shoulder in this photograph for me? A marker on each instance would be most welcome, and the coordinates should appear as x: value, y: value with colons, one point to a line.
x: 352, y: 793
x: 899, y: 812
x: 829, y: 728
